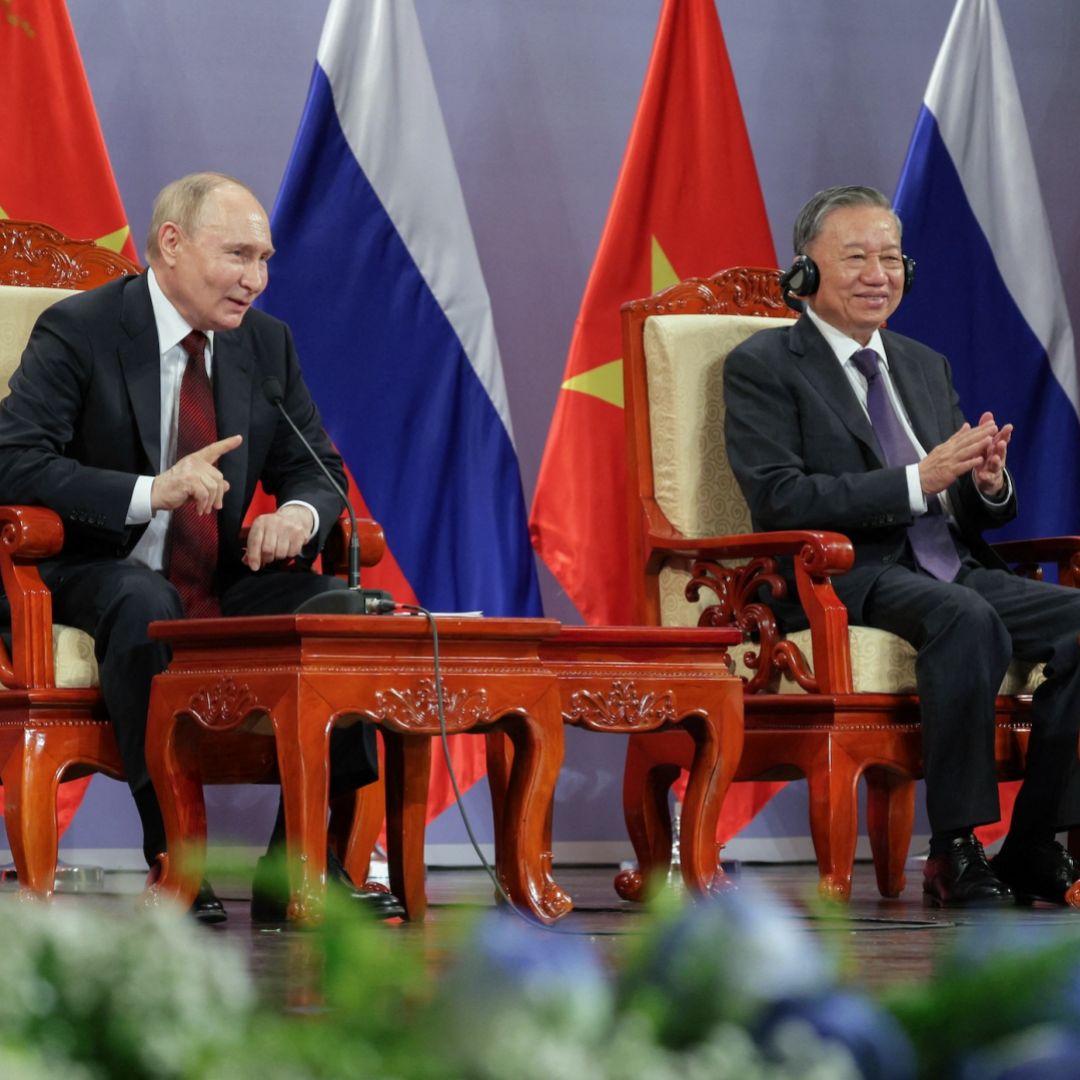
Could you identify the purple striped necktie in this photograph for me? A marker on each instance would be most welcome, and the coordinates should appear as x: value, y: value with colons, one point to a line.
x: 929, y: 536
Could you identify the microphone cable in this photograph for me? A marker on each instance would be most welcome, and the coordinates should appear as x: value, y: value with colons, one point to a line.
x: 444, y: 740
x: 524, y: 915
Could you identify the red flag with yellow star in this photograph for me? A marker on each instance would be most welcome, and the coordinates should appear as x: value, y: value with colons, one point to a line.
x: 54, y: 167
x: 687, y: 203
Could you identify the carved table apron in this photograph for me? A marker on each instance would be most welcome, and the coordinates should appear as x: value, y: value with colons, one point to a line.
x: 644, y: 682
x: 295, y: 676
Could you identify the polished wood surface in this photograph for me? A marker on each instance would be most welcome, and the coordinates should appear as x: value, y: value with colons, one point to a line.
x: 295, y: 676
x: 35, y: 254
x: 829, y: 735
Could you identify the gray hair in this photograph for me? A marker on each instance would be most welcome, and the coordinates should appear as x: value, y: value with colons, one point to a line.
x: 812, y: 216
x: 181, y: 202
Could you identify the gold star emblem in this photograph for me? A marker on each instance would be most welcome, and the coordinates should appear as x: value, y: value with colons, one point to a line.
x: 606, y: 380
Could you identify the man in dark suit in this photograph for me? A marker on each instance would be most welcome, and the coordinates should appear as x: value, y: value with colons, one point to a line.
x: 837, y: 424
x: 138, y: 415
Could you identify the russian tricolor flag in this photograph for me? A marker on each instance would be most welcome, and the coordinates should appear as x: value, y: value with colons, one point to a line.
x: 378, y: 277
x: 987, y: 290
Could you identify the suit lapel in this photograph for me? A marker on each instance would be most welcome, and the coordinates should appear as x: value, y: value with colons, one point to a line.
x: 232, y: 403
x: 140, y: 363
x: 821, y: 367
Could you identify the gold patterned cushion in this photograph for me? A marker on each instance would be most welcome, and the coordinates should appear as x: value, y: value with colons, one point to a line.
x: 73, y: 658
x: 20, y: 307
x: 684, y: 361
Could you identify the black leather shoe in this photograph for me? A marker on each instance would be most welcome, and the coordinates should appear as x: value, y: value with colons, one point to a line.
x: 206, y: 907
x: 383, y: 905
x: 1041, y: 871
x: 959, y: 876
x: 270, y: 892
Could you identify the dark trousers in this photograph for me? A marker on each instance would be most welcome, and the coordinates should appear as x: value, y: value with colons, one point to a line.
x: 966, y: 633
x: 115, y: 602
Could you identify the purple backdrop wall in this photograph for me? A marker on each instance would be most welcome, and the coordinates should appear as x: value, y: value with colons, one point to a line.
x: 538, y: 100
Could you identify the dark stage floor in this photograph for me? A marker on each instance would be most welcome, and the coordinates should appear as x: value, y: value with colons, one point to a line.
x: 879, y: 942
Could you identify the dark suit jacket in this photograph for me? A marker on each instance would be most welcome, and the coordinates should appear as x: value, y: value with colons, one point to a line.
x: 83, y: 420
x: 806, y: 457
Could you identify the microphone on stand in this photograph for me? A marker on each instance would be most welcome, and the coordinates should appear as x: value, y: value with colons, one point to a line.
x: 354, y: 600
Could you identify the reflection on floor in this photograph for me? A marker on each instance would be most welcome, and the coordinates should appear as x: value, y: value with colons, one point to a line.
x: 880, y: 942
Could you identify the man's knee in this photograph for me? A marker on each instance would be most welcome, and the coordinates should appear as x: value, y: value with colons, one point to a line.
x: 965, y: 615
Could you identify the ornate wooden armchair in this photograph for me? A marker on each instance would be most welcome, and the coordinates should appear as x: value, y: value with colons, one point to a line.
x: 830, y: 703
x: 53, y: 725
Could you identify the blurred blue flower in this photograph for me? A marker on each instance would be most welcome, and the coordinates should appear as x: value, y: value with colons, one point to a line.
x: 509, y: 966
x: 1034, y: 1054
x: 877, y: 1043
x: 719, y: 960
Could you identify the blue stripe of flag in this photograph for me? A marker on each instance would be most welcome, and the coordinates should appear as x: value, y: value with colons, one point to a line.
x: 397, y: 392
x: 960, y: 305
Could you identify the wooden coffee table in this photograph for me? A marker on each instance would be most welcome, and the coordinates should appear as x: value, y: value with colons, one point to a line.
x: 670, y: 689
x: 296, y: 676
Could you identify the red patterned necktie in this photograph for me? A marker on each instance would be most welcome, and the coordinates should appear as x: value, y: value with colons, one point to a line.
x: 194, y: 537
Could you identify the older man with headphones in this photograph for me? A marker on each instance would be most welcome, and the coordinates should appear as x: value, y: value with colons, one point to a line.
x: 835, y: 423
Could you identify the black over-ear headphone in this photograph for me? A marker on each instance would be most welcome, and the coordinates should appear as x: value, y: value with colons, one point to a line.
x: 803, y: 279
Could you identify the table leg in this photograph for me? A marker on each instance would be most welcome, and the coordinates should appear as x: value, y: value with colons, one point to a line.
x: 718, y: 742
x: 408, y: 774
x: 521, y: 863
x: 174, y: 769
x: 499, y: 754
x: 302, y: 735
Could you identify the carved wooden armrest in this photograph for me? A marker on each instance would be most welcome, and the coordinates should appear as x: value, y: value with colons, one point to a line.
x: 1028, y: 554
x: 28, y: 534
x: 816, y: 557
x: 336, y: 552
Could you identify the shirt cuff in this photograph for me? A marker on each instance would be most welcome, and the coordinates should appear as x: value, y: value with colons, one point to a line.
x: 916, y: 498
x: 140, y: 510
x: 314, y: 513
x: 1002, y: 497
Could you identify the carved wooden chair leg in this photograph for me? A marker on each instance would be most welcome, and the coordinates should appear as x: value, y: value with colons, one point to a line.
x: 890, y: 816
x: 356, y: 819
x: 30, y: 781
x: 834, y: 819
x: 355, y: 822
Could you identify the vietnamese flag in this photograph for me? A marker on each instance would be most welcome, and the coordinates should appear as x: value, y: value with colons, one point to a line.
x: 687, y: 203
x: 54, y: 167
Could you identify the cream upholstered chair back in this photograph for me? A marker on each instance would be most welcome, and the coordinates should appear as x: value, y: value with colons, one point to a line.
x: 20, y: 307
x: 38, y: 267
x: 693, y: 483
x: 685, y: 343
